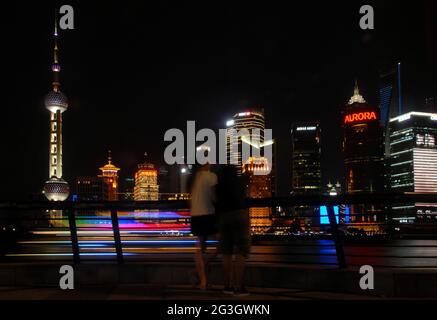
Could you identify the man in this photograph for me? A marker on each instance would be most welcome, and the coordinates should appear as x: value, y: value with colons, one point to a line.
x: 234, y: 229
x: 203, y: 218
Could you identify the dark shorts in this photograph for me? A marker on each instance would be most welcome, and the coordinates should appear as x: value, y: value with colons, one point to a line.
x: 206, y: 225
x: 235, y: 233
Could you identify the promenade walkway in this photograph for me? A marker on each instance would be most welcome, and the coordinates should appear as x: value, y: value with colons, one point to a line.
x: 174, y: 292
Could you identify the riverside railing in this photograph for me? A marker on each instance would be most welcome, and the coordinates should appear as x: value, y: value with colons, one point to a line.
x: 12, y: 211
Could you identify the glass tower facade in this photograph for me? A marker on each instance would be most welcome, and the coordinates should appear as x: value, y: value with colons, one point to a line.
x: 306, y: 152
x: 413, y: 162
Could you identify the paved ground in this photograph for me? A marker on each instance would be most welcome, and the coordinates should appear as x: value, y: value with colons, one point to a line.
x: 148, y: 292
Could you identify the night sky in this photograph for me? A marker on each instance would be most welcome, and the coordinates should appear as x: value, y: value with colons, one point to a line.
x: 132, y: 70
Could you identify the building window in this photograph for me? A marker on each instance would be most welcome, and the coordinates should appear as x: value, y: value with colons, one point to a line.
x: 427, y: 140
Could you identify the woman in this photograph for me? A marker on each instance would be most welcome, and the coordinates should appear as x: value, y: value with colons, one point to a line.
x: 203, y: 218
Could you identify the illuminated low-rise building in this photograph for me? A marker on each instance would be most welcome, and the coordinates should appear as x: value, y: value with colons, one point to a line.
x: 127, y: 189
x: 413, y: 163
x: 146, y: 183
x: 257, y: 174
x: 91, y: 189
x: 174, y: 196
x: 110, y: 177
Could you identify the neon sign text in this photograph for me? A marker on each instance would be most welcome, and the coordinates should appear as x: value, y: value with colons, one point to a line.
x: 360, y: 116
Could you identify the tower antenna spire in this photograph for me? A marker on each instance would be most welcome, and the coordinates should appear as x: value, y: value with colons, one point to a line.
x: 56, y: 24
x: 56, y: 102
x: 56, y: 67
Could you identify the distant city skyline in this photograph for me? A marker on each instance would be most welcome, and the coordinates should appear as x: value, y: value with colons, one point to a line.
x: 132, y: 74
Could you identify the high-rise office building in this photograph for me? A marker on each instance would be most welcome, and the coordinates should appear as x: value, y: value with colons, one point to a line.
x: 257, y: 174
x: 305, y: 169
x: 306, y: 153
x: 362, y: 146
x: 387, y: 97
x: 390, y: 94
x: 146, y: 183
x: 251, y: 120
x: 110, y: 176
x: 413, y: 162
x: 91, y: 189
x: 363, y: 153
x: 386, y: 90
x: 56, y: 189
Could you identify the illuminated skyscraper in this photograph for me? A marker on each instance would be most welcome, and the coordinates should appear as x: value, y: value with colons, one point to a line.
x: 306, y: 153
x: 56, y: 102
x: 362, y: 146
x: 110, y: 176
x: 146, y: 183
x: 251, y: 120
x: 390, y: 94
x: 413, y: 162
x: 258, y: 186
x: 363, y: 152
x: 305, y: 167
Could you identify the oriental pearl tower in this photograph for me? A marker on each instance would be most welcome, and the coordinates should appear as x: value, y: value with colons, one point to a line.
x: 56, y: 189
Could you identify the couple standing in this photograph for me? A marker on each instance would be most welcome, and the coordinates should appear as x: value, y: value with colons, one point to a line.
x: 217, y: 208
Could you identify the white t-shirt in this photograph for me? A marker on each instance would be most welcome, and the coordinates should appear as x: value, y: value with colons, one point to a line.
x: 202, y: 193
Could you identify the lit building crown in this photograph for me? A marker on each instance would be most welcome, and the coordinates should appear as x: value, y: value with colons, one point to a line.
x: 109, y: 169
x: 110, y: 176
x: 357, y: 97
x: 256, y: 165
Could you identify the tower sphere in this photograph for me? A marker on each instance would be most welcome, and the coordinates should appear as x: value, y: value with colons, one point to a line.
x: 56, y: 189
x: 56, y: 100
